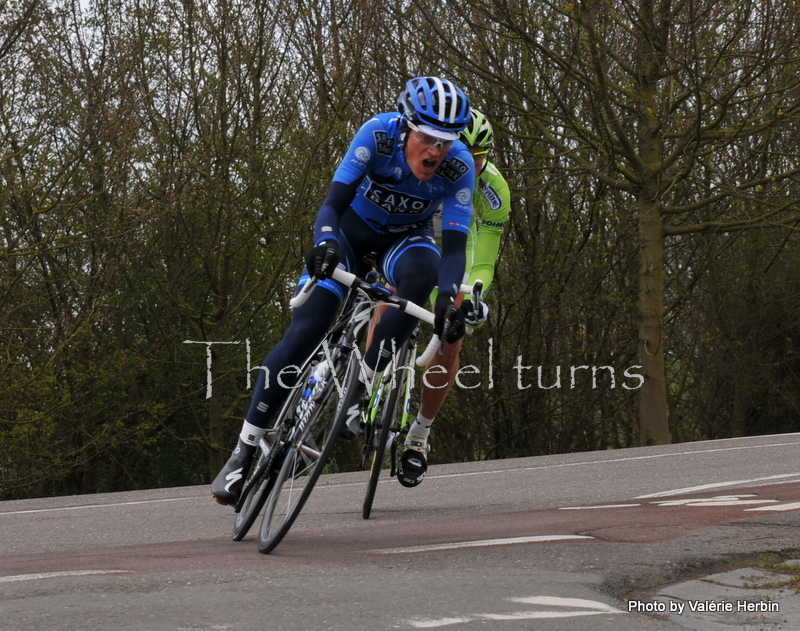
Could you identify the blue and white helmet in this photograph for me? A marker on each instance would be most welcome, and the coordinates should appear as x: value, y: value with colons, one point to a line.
x: 436, y: 106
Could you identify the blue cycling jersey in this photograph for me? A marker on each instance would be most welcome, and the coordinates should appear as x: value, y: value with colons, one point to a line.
x: 387, y: 195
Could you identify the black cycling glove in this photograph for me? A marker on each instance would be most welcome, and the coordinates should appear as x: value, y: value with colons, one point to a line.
x: 322, y: 259
x: 446, y: 313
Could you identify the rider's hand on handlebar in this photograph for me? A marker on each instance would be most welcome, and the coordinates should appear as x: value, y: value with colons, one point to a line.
x: 449, y: 319
x: 474, y: 317
x: 322, y: 259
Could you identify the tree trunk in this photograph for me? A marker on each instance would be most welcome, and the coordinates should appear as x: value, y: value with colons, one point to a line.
x: 653, y: 411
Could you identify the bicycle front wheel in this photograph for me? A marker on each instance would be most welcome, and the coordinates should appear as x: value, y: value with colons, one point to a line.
x: 258, y: 485
x: 305, y: 454
x: 387, y: 424
x: 261, y: 479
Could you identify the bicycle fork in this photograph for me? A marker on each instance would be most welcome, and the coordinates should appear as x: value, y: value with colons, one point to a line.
x: 406, y: 413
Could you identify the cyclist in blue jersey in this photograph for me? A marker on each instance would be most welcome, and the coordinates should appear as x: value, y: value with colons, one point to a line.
x: 400, y: 168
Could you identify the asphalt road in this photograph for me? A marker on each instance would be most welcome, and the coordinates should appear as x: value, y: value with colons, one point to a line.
x: 660, y: 538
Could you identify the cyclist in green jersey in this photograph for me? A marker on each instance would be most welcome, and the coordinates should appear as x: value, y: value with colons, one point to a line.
x: 491, y: 203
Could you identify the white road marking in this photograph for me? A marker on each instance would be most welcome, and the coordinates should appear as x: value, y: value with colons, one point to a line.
x: 584, y: 608
x: 627, y: 459
x: 481, y: 543
x: 595, y: 507
x: 718, y: 485
x: 441, y: 622
x: 111, y: 505
x: 332, y: 484
x: 432, y: 475
x: 36, y: 577
x: 719, y: 500
x: 778, y: 507
x: 556, y: 601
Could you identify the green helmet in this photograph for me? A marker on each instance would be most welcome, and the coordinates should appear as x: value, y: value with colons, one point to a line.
x: 478, y: 132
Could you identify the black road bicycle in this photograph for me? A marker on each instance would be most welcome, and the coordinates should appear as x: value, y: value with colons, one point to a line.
x: 387, y: 417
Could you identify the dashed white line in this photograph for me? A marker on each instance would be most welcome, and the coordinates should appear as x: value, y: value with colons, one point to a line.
x: 777, y: 507
x: 596, y: 507
x: 35, y: 577
x: 51, y: 510
x: 583, y: 607
x: 333, y: 484
x: 719, y: 500
x: 481, y: 543
x: 630, y: 459
x: 718, y: 485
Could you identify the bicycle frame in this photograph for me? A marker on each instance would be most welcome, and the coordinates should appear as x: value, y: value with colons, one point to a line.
x: 388, y: 379
x: 302, y: 440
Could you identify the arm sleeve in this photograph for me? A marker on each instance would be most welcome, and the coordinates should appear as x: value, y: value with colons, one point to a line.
x: 486, y: 248
x: 330, y: 213
x: 451, y: 268
x: 493, y: 206
x: 456, y: 215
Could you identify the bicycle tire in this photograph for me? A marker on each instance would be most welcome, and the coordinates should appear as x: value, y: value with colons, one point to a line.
x: 381, y: 433
x: 255, y: 493
x: 259, y: 483
x: 296, y: 478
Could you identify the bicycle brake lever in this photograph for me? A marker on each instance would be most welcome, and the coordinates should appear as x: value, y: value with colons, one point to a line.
x: 477, y: 294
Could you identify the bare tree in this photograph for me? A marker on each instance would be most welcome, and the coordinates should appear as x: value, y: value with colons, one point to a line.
x: 685, y: 109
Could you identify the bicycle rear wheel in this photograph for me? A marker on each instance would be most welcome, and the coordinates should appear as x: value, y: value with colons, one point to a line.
x: 305, y: 455
x: 386, y: 424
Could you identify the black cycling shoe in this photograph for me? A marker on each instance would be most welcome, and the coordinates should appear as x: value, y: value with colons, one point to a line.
x: 354, y: 425
x: 227, y: 486
x: 412, y: 468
